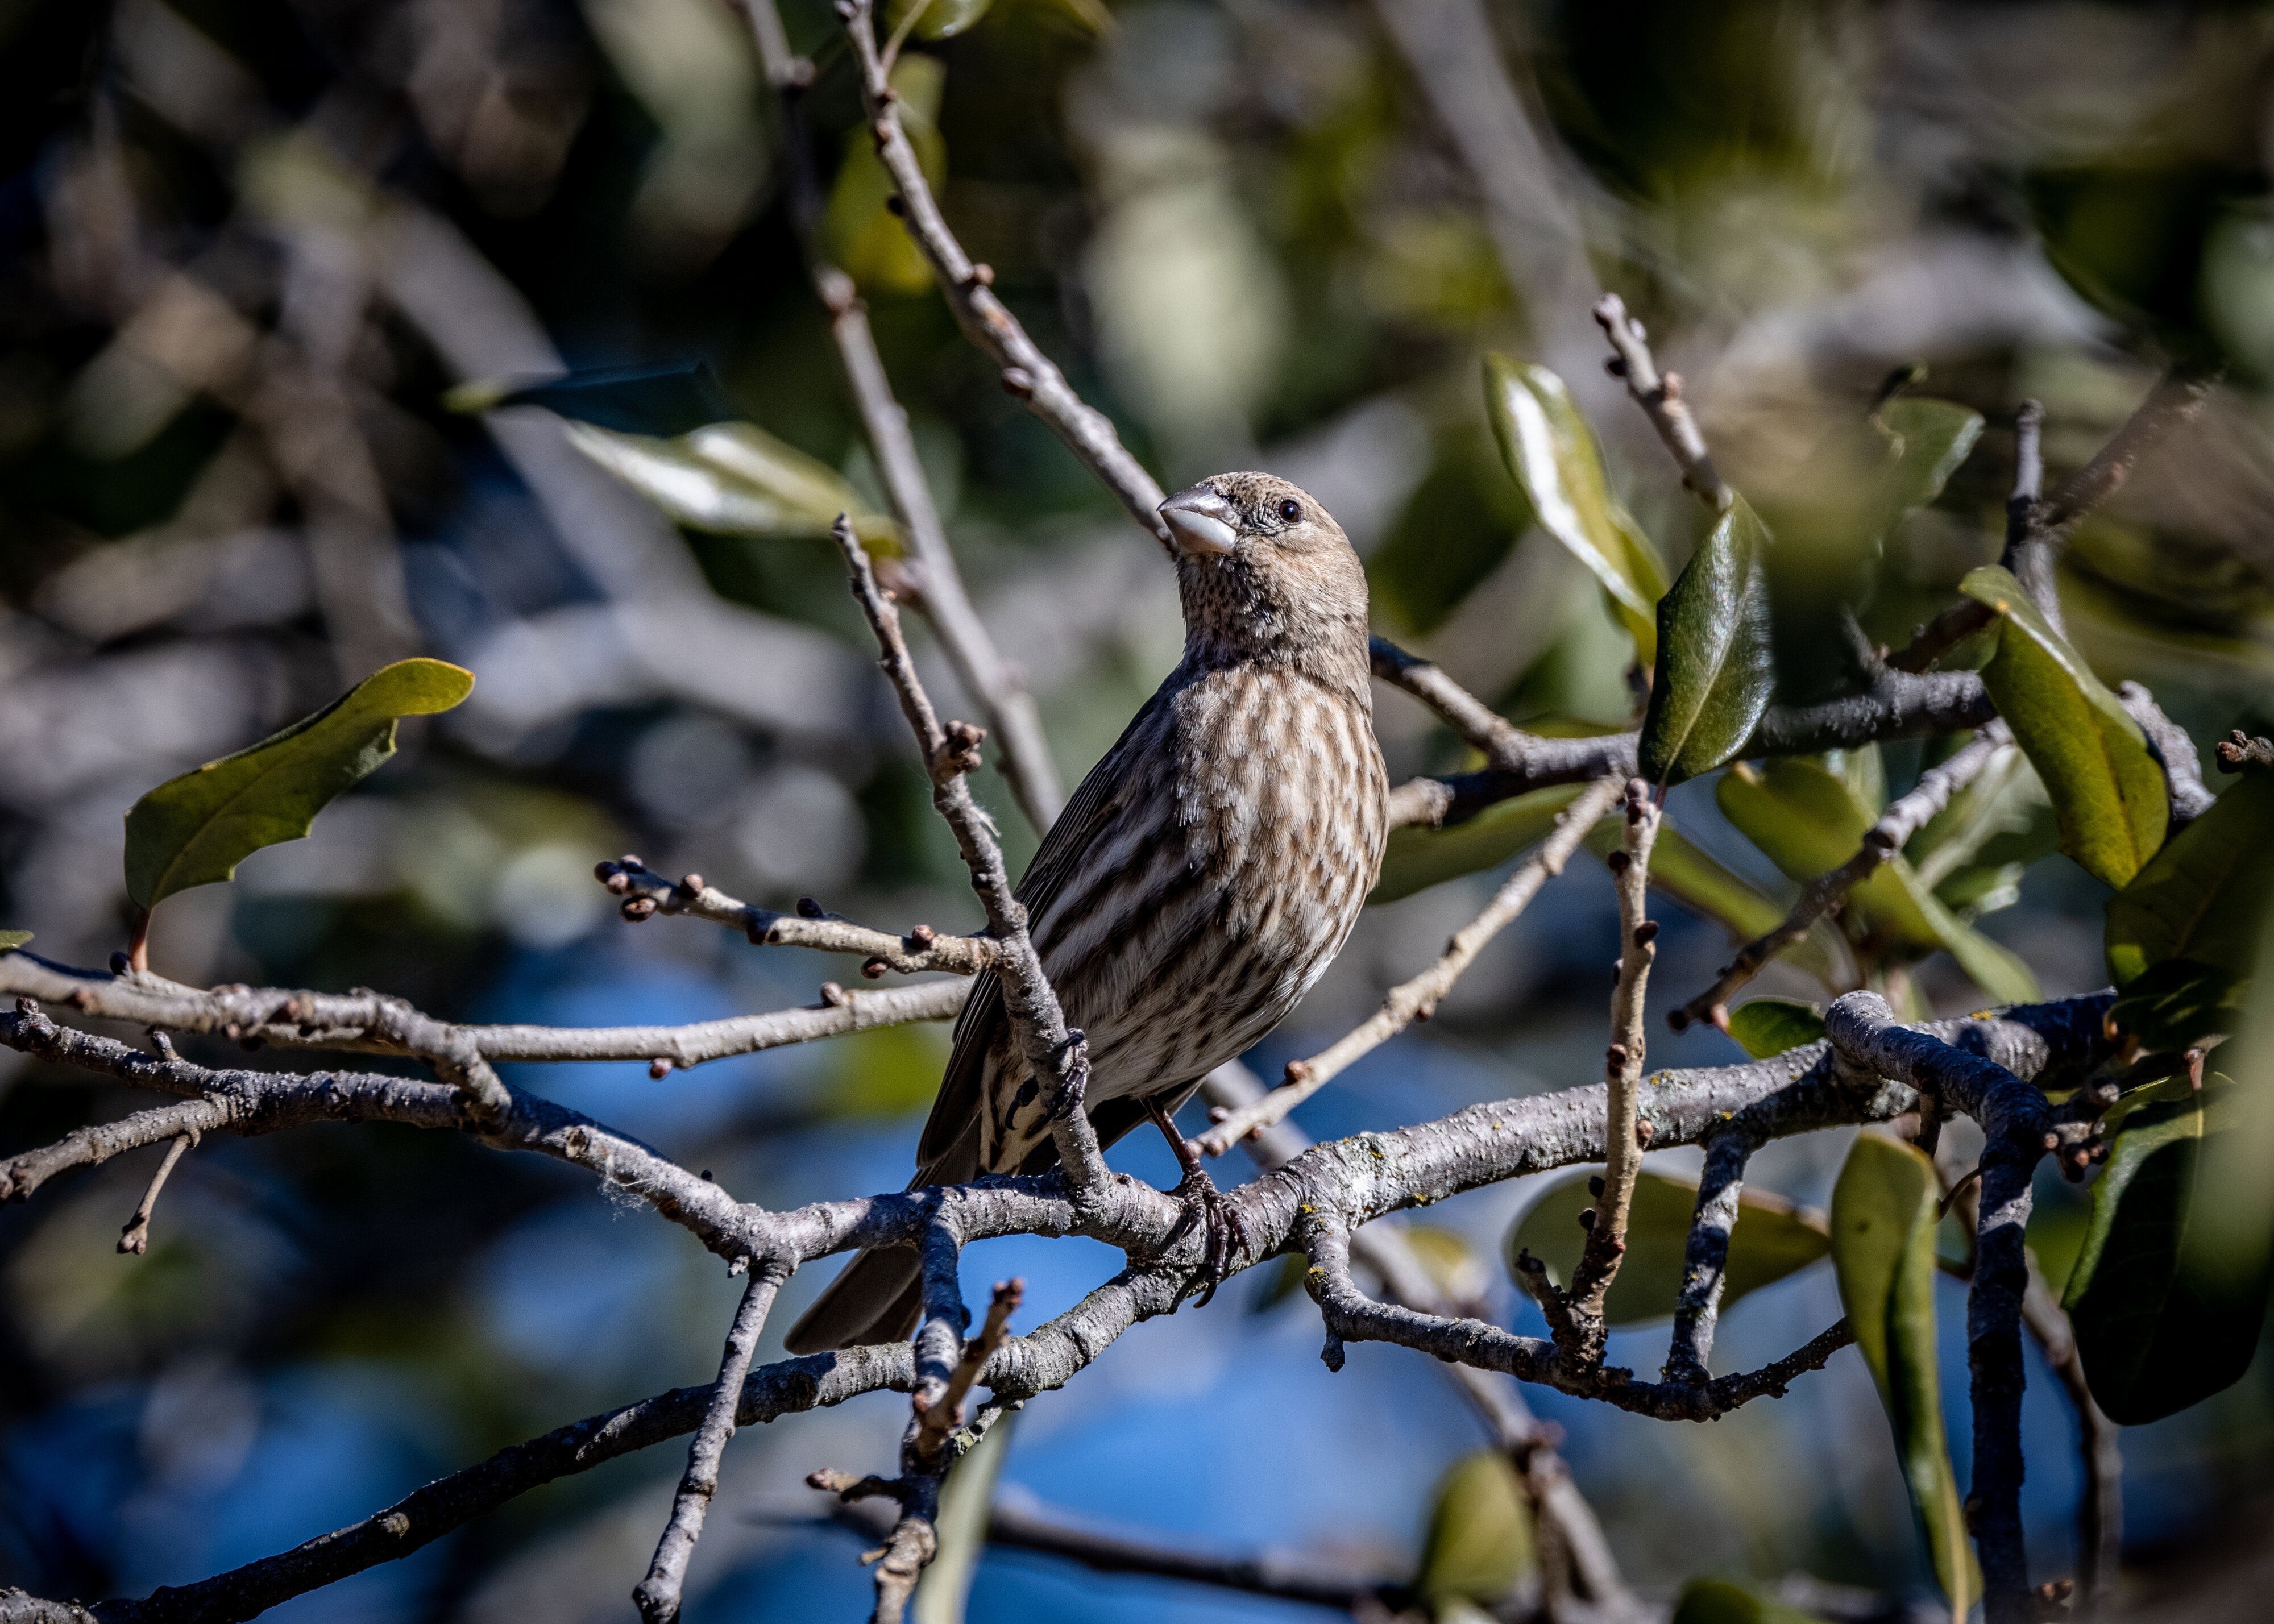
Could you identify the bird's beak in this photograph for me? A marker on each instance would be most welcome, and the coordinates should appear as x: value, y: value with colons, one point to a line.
x: 1201, y: 520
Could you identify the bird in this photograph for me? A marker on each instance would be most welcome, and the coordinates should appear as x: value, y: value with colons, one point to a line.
x: 1197, y: 885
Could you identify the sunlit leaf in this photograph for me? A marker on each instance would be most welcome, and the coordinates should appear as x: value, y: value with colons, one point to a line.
x: 734, y: 479
x: 1418, y: 857
x: 2107, y: 791
x: 2167, y: 1305
x: 1809, y: 820
x: 1883, y: 1224
x: 1766, y: 1027
x: 1551, y: 452
x: 1715, y: 668
x: 11, y: 940
x: 1772, y: 1238
x: 1479, y: 1546
x: 940, y: 20
x: 2203, y: 895
x: 965, y: 1501
x: 1717, y: 1601
x: 196, y: 829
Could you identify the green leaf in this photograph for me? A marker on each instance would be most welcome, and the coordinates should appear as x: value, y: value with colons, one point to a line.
x: 1772, y: 1238
x: 1717, y: 1601
x: 1551, y: 452
x: 1479, y: 1546
x: 1714, y: 665
x: 2202, y: 896
x: 2173, y: 1004
x: 1808, y: 819
x: 2107, y: 791
x: 1883, y: 1223
x: 2000, y: 819
x: 1417, y: 859
x: 2167, y: 1302
x: 1766, y: 1027
x: 964, y: 1501
x: 942, y: 19
x: 1932, y: 438
x: 649, y: 399
x: 11, y: 940
x: 196, y: 829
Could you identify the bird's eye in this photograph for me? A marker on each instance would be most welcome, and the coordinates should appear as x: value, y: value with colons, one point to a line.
x: 1291, y: 511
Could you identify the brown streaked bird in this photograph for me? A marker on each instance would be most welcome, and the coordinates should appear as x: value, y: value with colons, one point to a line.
x: 1201, y: 880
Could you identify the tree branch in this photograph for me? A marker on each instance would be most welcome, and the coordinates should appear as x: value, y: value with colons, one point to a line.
x: 2100, y: 1504
x: 657, y: 1595
x: 1607, y: 1231
x: 1418, y: 998
x: 1720, y: 1185
x: 1902, y: 819
x: 2016, y: 1122
x: 135, y: 1237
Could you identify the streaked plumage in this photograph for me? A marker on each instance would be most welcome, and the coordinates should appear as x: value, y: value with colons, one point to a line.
x: 1201, y: 878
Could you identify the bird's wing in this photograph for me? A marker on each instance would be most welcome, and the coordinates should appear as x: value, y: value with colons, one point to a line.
x: 1055, y: 863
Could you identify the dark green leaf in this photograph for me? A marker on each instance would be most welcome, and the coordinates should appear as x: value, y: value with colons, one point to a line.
x: 11, y: 940
x: 1551, y: 452
x: 1717, y: 1601
x: 2203, y: 895
x: 1479, y: 1546
x: 196, y: 829
x: 1810, y: 819
x: 663, y: 400
x: 2107, y: 791
x: 1766, y: 1027
x: 1714, y: 666
x: 1932, y: 438
x: 1772, y: 1238
x: 2173, y: 1004
x: 1883, y: 1223
x: 2166, y: 1301
x: 1417, y: 859
x: 965, y: 1500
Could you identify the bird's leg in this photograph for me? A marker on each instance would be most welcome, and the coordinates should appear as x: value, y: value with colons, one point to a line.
x: 1204, y: 1204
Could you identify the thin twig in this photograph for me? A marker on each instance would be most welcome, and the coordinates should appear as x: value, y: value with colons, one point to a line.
x: 647, y: 893
x: 993, y: 683
x: 1606, y: 1234
x: 656, y: 1596
x: 135, y: 1237
x: 1903, y: 818
x: 2100, y: 1503
x: 1660, y: 397
x: 1418, y: 998
x: 937, y: 1419
x: 366, y: 1023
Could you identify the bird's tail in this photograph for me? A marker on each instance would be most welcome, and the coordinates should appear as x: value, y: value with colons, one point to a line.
x: 880, y: 1293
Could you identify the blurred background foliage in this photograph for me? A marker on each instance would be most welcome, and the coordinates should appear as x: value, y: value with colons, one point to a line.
x: 247, y: 247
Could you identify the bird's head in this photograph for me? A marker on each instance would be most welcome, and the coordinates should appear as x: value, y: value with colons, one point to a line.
x: 1267, y: 575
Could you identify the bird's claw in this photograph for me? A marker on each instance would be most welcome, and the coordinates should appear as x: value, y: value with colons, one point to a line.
x: 1204, y: 1205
